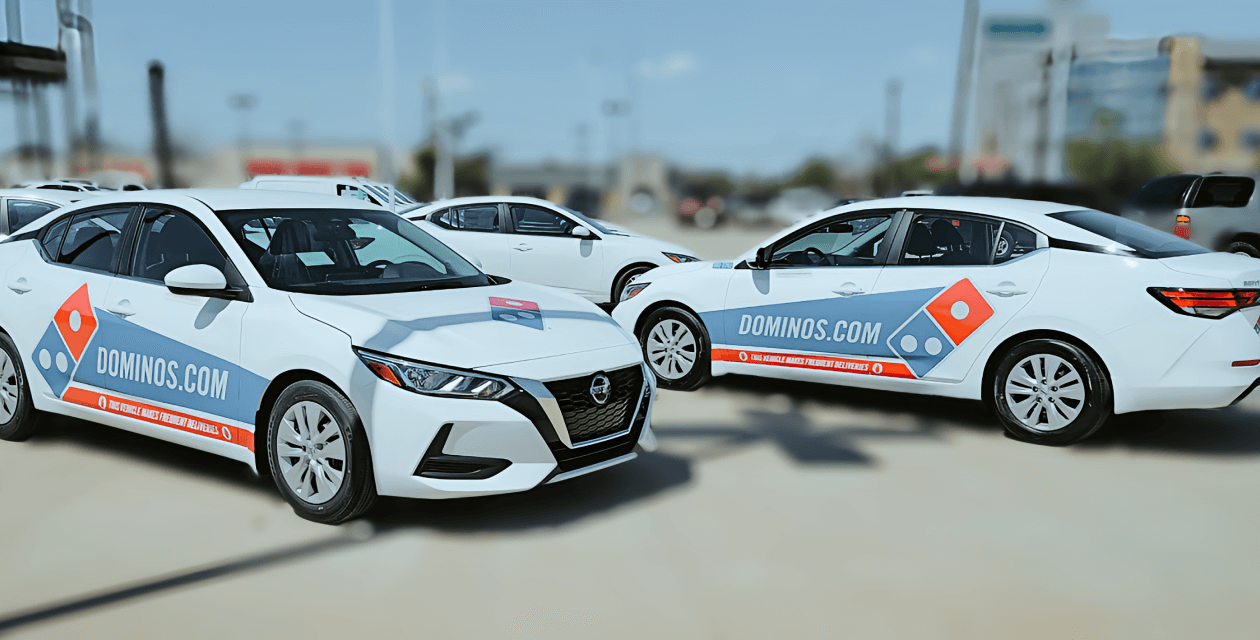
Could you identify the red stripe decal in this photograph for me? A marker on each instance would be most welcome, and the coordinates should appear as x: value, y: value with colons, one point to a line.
x: 159, y: 416
x: 824, y: 363
x: 523, y: 305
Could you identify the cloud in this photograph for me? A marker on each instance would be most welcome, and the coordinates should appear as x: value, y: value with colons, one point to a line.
x: 674, y: 64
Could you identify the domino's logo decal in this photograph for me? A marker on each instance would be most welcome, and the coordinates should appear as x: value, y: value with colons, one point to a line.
x: 926, y: 326
x: 519, y: 312
x: 937, y: 329
x: 58, y: 353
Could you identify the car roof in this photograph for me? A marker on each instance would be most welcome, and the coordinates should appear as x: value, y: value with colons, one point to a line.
x: 49, y: 195
x: 286, y: 178
x: 466, y: 200
x: 230, y: 199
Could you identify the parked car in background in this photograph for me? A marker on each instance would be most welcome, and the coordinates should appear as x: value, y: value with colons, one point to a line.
x: 67, y: 184
x: 794, y: 205
x: 20, y: 207
x: 349, y: 186
x: 1057, y: 316
x: 1220, y: 212
x: 542, y: 242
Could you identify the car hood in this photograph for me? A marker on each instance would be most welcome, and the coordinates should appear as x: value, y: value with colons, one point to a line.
x: 469, y: 328
x: 647, y: 242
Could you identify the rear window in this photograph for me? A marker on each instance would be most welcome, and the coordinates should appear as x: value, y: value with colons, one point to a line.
x: 1139, y: 239
x: 1224, y: 191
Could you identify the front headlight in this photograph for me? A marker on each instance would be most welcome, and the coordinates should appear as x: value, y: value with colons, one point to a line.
x: 680, y: 257
x: 633, y: 290
x: 432, y: 380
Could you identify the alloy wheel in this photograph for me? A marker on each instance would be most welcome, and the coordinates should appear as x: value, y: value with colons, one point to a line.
x: 311, y: 451
x: 1045, y: 392
x: 671, y: 349
x: 8, y: 388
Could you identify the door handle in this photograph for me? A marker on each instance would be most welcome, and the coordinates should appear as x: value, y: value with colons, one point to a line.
x: 122, y: 309
x: 20, y: 286
x: 1006, y: 290
x: 849, y: 289
x: 523, y: 247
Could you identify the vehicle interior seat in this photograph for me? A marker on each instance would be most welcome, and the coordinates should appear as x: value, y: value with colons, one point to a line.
x: 281, y: 259
x: 946, y: 237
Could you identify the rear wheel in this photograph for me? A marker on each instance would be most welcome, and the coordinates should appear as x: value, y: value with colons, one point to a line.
x: 318, y: 454
x: 17, y: 414
x: 1244, y: 249
x: 676, y: 346
x: 1050, y: 392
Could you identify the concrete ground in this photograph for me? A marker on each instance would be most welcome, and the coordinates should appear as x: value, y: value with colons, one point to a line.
x: 772, y: 509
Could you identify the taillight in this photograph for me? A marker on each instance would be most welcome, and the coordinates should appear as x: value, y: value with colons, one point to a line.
x: 1182, y: 228
x: 1207, y: 303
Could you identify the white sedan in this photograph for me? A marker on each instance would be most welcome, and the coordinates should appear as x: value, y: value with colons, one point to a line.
x: 20, y: 207
x: 1056, y: 316
x: 325, y: 342
x: 544, y: 243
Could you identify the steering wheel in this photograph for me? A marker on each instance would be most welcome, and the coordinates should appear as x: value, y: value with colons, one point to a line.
x: 810, y: 252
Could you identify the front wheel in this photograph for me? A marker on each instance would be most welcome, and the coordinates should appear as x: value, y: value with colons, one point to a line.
x: 318, y: 453
x: 676, y: 346
x: 1050, y: 392
x: 17, y: 414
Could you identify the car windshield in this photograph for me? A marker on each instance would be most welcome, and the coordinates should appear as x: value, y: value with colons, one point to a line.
x: 584, y: 218
x: 1141, y: 239
x: 346, y: 252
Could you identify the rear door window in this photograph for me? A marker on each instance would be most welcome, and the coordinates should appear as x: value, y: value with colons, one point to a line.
x: 1224, y: 191
x: 483, y: 218
x: 94, y: 239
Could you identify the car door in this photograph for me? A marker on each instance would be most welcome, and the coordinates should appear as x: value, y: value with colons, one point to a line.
x: 807, y: 308
x: 956, y: 280
x: 175, y: 358
x: 476, y: 230
x: 545, y: 251
x: 60, y: 287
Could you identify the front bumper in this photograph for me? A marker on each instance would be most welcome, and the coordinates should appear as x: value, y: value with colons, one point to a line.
x: 427, y: 447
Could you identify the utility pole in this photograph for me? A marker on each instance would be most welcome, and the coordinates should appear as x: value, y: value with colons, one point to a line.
x: 80, y: 23
x: 389, y: 173
x: 962, y: 81
x: 161, y: 131
x: 892, y: 119
x: 243, y: 103
x: 21, y: 103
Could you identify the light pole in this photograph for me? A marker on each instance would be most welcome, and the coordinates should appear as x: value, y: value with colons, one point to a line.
x: 243, y: 103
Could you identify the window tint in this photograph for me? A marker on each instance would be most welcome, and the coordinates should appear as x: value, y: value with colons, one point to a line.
x: 1224, y: 192
x: 1162, y: 194
x: 533, y: 220
x: 1013, y: 241
x: 475, y: 218
x: 52, y: 237
x: 950, y: 239
x: 853, y: 242
x: 93, y: 239
x: 24, y: 212
x: 1142, y: 240
x: 168, y: 241
x: 346, y: 252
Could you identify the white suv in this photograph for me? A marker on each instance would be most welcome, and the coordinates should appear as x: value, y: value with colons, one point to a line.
x: 351, y: 186
x: 544, y: 243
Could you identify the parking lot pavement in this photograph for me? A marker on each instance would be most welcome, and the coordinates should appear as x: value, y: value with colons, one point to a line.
x: 771, y: 509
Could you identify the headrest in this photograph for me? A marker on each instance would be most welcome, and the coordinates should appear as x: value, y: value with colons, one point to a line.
x: 945, y: 234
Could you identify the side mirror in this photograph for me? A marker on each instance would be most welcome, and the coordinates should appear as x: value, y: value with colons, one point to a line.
x: 580, y: 232
x: 195, y: 279
x: 764, y: 255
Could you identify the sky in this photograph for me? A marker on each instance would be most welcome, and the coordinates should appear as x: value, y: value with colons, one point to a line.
x: 754, y: 88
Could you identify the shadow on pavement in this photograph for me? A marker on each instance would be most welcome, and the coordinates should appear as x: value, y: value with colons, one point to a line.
x: 1232, y: 431
x: 645, y: 477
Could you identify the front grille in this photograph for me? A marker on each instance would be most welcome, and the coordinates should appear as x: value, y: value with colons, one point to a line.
x: 587, y: 420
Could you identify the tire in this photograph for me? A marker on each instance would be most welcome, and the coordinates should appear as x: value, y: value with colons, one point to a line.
x: 1243, y: 248
x: 1052, y: 414
x: 669, y: 335
x: 310, y: 407
x: 18, y: 416
x: 624, y: 279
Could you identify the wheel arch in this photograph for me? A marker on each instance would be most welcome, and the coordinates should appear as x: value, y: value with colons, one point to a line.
x: 660, y: 304
x: 263, y: 417
x: 990, y: 365
x: 614, y: 294
x: 1252, y: 239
